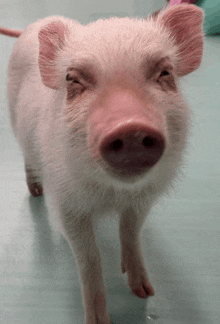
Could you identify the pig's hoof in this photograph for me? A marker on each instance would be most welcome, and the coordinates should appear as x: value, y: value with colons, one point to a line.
x: 145, y: 291
x: 138, y: 281
x: 33, y: 182
x: 140, y: 286
x: 35, y: 189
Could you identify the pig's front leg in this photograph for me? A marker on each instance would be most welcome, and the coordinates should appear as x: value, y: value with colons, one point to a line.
x: 131, y: 256
x: 81, y: 238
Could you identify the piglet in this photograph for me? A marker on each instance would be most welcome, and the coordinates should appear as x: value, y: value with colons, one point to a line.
x: 103, y: 126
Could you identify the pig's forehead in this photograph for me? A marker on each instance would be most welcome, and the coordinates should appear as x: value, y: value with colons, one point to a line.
x: 123, y: 39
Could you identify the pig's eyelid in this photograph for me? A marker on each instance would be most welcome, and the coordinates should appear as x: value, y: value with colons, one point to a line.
x: 70, y: 78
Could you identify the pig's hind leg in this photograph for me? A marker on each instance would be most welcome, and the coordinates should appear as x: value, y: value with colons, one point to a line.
x: 33, y: 180
x: 132, y: 260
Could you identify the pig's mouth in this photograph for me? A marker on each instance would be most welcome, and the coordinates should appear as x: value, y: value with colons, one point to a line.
x: 128, y: 175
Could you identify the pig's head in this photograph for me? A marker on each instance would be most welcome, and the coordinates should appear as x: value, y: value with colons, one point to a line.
x: 124, y: 112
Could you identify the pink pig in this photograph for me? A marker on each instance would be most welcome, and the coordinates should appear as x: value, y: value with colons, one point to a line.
x: 103, y: 126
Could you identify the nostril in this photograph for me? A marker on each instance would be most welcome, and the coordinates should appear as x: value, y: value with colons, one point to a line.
x: 149, y: 141
x: 133, y: 150
x: 116, y: 145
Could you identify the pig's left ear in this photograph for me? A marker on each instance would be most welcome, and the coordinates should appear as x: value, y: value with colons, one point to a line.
x: 51, y: 42
x: 185, y: 23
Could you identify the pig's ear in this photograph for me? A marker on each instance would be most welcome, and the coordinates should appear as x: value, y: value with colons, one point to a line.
x: 185, y: 23
x: 51, y: 42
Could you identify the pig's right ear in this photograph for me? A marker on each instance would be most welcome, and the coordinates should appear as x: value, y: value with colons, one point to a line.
x: 51, y: 42
x: 185, y: 22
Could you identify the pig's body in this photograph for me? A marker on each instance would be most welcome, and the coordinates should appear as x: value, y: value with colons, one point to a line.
x: 122, y: 98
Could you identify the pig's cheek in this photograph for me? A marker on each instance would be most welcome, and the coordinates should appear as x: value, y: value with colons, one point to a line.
x: 73, y: 90
x: 96, y: 130
x: 167, y: 84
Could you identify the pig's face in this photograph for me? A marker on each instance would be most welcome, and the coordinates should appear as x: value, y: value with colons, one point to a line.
x: 124, y: 111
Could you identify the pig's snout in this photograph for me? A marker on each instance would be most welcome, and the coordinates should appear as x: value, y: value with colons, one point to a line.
x: 132, y: 149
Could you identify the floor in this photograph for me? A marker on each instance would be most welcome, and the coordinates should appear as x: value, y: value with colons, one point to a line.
x: 181, y: 238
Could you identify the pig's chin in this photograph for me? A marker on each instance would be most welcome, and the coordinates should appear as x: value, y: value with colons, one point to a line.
x: 129, y: 175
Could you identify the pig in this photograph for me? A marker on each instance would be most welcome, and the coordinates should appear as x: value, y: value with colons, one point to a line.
x: 103, y: 127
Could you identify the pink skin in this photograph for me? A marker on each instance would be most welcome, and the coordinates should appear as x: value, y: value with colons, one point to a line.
x: 123, y: 115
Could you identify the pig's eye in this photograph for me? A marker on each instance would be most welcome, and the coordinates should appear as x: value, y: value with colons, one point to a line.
x: 70, y: 78
x: 74, y: 86
x: 166, y: 80
x: 164, y: 73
